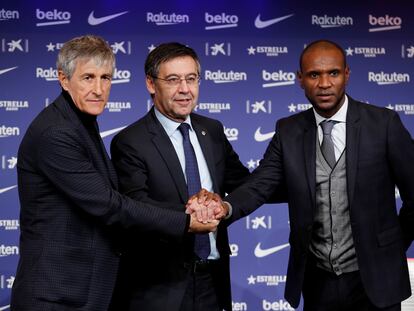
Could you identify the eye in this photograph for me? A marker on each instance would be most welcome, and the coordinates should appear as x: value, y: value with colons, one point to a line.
x: 191, y: 80
x: 335, y: 73
x: 313, y: 75
x: 173, y: 80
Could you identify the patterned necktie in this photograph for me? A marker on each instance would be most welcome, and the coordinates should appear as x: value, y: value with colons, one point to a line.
x: 327, y: 146
x: 201, y: 241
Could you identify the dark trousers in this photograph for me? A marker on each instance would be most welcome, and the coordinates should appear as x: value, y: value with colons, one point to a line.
x: 200, y: 294
x: 325, y: 291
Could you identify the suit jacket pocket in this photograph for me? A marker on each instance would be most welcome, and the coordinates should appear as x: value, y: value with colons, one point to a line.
x: 389, y: 236
x: 64, y: 274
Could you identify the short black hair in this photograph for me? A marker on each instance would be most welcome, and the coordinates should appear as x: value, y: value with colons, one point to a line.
x: 165, y: 52
x: 324, y: 44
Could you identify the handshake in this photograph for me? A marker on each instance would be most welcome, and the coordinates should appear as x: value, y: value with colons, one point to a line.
x: 206, y: 210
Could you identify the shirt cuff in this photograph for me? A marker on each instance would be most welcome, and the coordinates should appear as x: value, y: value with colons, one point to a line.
x: 230, y: 213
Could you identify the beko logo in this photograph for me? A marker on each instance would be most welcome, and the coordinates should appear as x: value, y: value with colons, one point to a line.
x: 224, y: 77
x: 231, y: 133
x: 280, y: 78
x: 382, y: 78
x: 7, y: 131
x: 161, y: 19
x: 276, y: 305
x: 332, y: 21
x: 384, y: 23
x: 220, y: 21
x: 53, y: 17
x: 49, y: 74
x: 121, y: 76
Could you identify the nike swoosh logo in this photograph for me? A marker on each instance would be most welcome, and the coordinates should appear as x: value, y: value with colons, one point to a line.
x: 263, y: 24
x: 4, y: 71
x: 262, y: 137
x: 92, y: 20
x: 110, y: 132
x: 4, y: 308
x: 259, y: 252
x: 7, y: 189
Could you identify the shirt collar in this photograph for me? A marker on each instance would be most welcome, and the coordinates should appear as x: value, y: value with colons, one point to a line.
x: 169, y: 125
x: 339, y: 116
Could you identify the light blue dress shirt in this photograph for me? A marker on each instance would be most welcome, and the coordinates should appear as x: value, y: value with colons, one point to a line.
x: 171, y: 128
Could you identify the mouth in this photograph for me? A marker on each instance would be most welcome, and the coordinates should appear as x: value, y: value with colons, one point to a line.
x: 183, y: 101
x: 325, y: 96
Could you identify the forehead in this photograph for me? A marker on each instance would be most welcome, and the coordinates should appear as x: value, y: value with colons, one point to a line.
x: 93, y: 65
x: 179, y: 65
x: 321, y: 57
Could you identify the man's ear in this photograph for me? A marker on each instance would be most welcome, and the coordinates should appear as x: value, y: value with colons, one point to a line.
x: 149, y: 81
x: 347, y: 74
x: 63, y: 79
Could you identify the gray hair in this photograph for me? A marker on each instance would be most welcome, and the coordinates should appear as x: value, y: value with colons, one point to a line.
x: 85, y: 48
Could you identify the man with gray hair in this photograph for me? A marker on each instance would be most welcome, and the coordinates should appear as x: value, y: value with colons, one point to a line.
x: 70, y: 208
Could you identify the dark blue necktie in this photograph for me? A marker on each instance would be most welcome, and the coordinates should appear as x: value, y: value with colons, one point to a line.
x: 202, y: 241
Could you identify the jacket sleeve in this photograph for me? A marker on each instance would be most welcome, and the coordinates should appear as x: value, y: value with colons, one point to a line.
x: 65, y: 160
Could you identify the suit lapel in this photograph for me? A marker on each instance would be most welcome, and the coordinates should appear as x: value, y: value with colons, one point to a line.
x: 166, y: 149
x: 309, y: 152
x: 204, y: 138
x: 352, y: 146
x: 103, y: 165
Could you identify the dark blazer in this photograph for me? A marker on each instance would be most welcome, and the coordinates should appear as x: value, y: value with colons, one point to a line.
x: 149, y: 170
x: 70, y: 210
x: 379, y: 156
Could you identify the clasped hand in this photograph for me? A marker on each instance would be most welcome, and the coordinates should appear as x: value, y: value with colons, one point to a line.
x: 206, y: 210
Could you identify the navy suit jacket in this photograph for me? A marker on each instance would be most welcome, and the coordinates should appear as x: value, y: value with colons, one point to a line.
x: 379, y: 156
x: 70, y: 212
x: 149, y: 170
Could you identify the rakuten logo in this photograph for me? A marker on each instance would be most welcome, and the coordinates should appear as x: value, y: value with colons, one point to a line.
x: 382, y: 78
x: 49, y: 74
x: 280, y: 78
x: 6, y: 15
x: 54, y: 17
x: 7, y: 131
x: 384, y: 23
x: 332, y: 21
x: 161, y: 19
x: 6, y: 250
x: 224, y: 77
x: 121, y: 76
x: 220, y: 21
x: 276, y: 305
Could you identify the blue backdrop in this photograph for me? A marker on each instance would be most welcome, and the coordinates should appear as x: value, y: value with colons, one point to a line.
x: 249, y: 54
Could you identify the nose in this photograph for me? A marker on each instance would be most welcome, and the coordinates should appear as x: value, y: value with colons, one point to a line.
x: 97, y: 87
x: 324, y: 81
x: 183, y: 87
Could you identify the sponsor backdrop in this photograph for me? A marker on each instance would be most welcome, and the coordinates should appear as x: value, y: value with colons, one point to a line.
x: 249, y: 53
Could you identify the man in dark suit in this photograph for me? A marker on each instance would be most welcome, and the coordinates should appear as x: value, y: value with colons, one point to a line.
x: 70, y: 208
x: 340, y: 163
x: 151, y: 159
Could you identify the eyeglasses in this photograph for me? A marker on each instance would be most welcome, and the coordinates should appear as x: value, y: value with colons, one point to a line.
x: 192, y: 80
